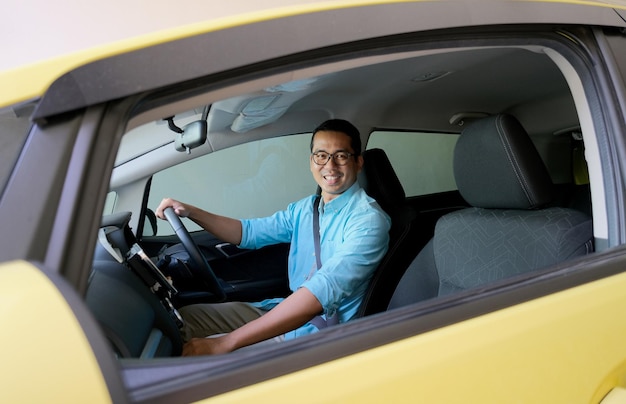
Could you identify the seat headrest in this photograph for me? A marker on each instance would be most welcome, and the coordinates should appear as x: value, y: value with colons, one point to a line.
x: 379, y: 180
x: 496, y: 165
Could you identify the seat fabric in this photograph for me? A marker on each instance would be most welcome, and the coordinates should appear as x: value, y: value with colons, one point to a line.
x: 508, y: 230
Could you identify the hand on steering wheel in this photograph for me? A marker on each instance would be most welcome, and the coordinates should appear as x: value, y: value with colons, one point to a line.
x: 199, y: 265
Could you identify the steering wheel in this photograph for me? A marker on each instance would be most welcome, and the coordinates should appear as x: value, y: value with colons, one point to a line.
x: 200, y: 267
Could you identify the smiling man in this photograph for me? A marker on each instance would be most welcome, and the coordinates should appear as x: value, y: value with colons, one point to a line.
x: 328, y: 277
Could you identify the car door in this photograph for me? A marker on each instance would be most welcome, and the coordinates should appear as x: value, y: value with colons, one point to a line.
x: 553, y: 336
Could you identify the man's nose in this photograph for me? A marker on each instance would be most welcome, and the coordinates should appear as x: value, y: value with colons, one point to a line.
x: 331, y: 162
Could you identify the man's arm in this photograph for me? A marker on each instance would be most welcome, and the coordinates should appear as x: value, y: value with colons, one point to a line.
x: 291, y: 313
x: 222, y: 227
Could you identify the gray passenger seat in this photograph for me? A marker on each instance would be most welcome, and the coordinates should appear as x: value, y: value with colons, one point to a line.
x: 508, y: 229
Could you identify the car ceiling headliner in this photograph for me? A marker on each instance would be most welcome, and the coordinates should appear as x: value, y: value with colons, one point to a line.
x: 381, y: 95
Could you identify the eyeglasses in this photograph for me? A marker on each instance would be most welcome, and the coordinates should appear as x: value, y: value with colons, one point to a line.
x: 340, y: 158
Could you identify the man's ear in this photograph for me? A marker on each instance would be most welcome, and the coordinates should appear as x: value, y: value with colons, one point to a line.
x: 359, y: 162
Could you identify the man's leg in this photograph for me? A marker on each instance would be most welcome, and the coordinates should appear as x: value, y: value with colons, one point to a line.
x: 203, y: 320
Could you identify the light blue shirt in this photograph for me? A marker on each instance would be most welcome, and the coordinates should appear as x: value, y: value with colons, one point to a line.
x: 354, y: 237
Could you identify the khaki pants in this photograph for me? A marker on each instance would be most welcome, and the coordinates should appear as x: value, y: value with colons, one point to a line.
x: 205, y: 320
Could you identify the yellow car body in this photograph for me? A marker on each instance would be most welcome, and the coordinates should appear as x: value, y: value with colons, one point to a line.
x: 517, y: 354
x: 61, y: 364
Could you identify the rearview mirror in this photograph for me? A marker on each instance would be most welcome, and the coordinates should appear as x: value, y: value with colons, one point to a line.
x: 192, y: 136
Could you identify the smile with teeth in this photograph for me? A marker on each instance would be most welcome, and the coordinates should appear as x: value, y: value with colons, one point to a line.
x: 332, y: 179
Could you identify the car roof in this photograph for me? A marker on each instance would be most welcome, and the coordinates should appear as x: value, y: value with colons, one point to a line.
x: 22, y: 83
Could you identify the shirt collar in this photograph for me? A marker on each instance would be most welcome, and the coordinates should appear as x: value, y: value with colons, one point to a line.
x: 340, y: 201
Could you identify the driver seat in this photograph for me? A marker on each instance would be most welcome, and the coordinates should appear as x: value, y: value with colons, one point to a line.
x: 379, y: 179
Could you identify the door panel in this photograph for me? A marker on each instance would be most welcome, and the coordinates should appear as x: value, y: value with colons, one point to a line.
x: 78, y: 366
x: 545, y: 350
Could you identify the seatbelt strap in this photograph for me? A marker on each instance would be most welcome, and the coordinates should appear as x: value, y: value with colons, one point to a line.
x: 319, y: 321
x: 316, y: 230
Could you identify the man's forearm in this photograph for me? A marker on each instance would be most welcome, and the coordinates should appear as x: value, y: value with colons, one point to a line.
x: 291, y: 313
x: 224, y: 228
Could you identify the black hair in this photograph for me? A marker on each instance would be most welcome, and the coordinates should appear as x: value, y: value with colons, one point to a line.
x: 343, y: 126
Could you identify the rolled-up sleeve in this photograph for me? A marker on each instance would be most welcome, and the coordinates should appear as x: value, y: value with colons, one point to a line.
x: 261, y: 232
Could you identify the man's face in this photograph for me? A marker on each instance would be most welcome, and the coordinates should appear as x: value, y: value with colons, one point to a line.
x: 334, y: 179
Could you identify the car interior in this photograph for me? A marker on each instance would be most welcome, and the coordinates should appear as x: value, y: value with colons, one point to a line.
x: 474, y: 149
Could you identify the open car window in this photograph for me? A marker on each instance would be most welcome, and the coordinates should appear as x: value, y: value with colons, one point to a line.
x: 255, y: 159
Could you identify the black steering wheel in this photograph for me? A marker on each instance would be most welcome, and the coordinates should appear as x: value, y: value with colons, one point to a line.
x: 200, y: 267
